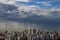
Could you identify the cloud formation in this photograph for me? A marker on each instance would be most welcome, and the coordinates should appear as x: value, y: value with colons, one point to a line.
x: 22, y: 13
x: 12, y: 1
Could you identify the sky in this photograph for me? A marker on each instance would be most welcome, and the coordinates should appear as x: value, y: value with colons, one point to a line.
x: 22, y: 14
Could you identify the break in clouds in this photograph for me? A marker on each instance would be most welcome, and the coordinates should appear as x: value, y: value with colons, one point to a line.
x: 20, y: 17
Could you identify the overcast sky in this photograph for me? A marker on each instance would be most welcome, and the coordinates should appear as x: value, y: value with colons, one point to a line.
x: 43, y: 14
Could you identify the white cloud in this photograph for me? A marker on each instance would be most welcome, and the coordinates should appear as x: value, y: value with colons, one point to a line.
x: 44, y: 3
x: 23, y: 0
x: 41, y: 2
x: 26, y: 10
x: 31, y: 10
x: 12, y: 1
x: 7, y: 1
x: 3, y: 1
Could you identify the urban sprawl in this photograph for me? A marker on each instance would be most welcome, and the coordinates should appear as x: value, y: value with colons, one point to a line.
x: 30, y: 34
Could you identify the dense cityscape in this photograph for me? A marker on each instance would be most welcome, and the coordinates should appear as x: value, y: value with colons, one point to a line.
x: 29, y: 34
x: 29, y: 19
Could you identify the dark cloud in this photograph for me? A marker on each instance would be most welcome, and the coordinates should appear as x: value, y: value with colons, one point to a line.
x: 11, y: 13
x: 55, y: 13
x: 8, y: 11
x: 33, y: 18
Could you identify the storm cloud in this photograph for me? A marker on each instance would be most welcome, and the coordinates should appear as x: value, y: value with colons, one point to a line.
x: 31, y: 15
